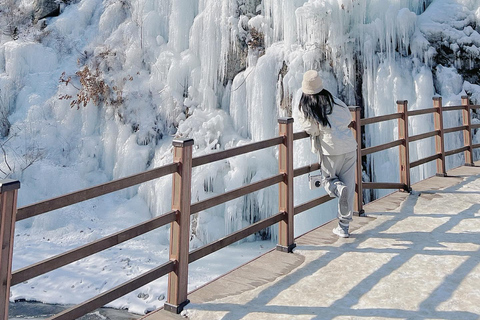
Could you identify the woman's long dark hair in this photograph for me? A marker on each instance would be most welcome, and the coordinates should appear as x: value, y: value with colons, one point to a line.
x: 317, y: 106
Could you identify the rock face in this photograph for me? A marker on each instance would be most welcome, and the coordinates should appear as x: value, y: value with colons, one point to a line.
x: 45, y: 8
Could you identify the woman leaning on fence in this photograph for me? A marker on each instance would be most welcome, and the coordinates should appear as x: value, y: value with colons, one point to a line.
x: 326, y: 119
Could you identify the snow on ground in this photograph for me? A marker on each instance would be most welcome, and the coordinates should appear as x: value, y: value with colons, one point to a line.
x: 88, y: 277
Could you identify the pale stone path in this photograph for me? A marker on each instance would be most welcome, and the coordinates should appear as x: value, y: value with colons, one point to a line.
x: 415, y: 256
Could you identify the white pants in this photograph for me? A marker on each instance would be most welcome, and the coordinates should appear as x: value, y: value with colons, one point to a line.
x: 340, y: 169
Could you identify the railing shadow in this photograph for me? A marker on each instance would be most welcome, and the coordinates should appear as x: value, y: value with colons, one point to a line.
x: 436, y: 248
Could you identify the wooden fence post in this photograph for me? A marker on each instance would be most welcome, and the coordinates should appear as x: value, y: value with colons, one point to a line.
x: 8, y: 202
x: 467, y: 133
x: 180, y: 229
x: 357, y: 133
x: 404, y: 154
x: 286, y: 235
x: 439, y: 142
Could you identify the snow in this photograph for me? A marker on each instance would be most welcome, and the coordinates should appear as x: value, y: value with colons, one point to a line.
x: 213, y: 71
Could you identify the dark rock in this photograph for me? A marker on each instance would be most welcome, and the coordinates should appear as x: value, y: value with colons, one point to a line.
x: 45, y: 8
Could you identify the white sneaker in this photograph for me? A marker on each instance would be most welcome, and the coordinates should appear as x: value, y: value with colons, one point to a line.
x: 341, y: 231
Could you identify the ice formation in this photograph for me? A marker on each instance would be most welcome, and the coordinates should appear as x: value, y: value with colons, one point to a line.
x: 220, y: 72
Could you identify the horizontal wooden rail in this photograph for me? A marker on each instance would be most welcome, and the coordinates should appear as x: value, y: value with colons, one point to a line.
x: 425, y: 160
x: 455, y: 129
x: 68, y: 257
x: 300, y: 135
x: 476, y: 146
x: 381, y: 147
x: 234, y: 237
x: 304, y: 170
x: 311, y: 204
x: 221, y: 155
x: 386, y: 117
x: 115, y: 293
x: 474, y: 106
x: 93, y: 192
x: 424, y: 135
x: 475, y: 126
x: 419, y: 112
x: 455, y: 151
x: 384, y: 185
x: 227, y: 196
x: 453, y: 108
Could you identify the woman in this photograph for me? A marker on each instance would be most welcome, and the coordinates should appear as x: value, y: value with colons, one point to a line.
x: 326, y: 119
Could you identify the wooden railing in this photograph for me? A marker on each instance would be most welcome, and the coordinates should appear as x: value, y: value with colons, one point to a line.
x: 404, y: 139
x: 182, y: 209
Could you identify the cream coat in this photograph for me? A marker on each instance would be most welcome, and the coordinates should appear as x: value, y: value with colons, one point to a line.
x: 334, y: 140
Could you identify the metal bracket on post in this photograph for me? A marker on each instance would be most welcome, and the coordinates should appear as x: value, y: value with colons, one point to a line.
x: 175, y: 308
x: 8, y: 204
x: 288, y: 248
x: 286, y: 238
x: 180, y: 228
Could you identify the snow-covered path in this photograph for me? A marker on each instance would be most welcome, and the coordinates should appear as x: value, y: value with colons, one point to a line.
x: 418, y: 259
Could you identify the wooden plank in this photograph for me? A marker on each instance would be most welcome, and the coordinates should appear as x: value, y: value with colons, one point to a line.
x: 180, y: 228
x: 306, y: 169
x: 381, y: 147
x: 227, y: 196
x: 300, y: 135
x: 455, y: 151
x: 474, y: 146
x: 467, y: 133
x: 76, y: 254
x: 404, y: 148
x: 424, y: 135
x: 93, y: 192
x: 357, y: 134
x: 414, y: 164
x: 208, y: 158
x: 285, y: 187
x: 384, y: 185
x: 453, y: 108
x: 312, y: 204
x: 439, y: 140
x: 114, y: 293
x: 377, y: 119
x: 8, y: 205
x: 418, y: 112
x: 475, y: 126
x: 234, y: 237
x: 454, y: 129
x: 474, y: 106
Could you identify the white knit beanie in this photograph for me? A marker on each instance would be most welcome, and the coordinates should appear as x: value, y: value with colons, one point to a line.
x: 311, y: 83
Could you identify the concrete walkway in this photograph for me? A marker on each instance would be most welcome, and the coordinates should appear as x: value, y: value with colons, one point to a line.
x: 415, y: 256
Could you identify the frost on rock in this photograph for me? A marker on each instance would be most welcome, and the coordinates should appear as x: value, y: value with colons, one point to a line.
x: 45, y: 8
